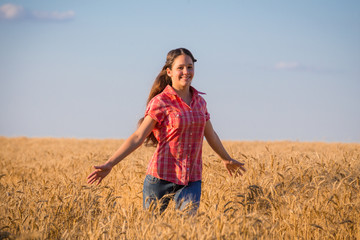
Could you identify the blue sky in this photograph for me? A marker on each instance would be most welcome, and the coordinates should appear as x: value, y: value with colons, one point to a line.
x: 272, y: 70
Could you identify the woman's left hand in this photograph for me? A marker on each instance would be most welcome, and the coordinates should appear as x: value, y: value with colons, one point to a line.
x: 234, y: 166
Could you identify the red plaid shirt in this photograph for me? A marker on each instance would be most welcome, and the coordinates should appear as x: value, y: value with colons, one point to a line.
x: 180, y: 133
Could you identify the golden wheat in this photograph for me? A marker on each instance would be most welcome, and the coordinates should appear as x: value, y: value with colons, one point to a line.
x: 290, y: 190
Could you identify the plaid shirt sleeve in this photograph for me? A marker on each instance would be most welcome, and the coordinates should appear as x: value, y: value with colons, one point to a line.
x: 156, y: 110
x: 207, y: 114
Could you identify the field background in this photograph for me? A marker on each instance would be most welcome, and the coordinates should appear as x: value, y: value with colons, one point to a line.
x: 290, y: 190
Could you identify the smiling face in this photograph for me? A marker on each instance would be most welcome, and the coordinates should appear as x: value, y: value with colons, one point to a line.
x: 181, y: 72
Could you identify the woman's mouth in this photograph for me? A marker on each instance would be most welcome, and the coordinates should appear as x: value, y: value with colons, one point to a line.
x: 187, y: 78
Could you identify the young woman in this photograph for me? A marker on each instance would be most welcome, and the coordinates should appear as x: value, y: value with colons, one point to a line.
x: 176, y: 120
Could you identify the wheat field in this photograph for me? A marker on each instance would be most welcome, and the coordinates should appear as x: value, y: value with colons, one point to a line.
x: 291, y: 190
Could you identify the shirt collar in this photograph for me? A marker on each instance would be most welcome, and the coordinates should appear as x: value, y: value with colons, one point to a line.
x: 171, y: 92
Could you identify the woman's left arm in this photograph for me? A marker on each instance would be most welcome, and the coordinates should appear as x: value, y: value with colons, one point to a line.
x: 213, y: 139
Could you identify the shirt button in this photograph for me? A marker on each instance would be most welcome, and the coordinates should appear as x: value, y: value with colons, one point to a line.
x: 187, y: 169
x: 190, y: 133
x: 193, y: 122
x: 189, y: 145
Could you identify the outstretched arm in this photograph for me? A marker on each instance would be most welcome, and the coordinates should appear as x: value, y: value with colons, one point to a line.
x: 132, y: 143
x: 213, y: 139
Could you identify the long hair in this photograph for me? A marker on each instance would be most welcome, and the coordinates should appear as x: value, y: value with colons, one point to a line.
x: 160, y: 83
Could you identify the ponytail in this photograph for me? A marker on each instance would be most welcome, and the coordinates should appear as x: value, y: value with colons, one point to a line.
x: 160, y: 83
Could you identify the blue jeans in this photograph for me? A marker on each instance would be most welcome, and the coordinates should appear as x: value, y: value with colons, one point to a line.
x: 160, y: 191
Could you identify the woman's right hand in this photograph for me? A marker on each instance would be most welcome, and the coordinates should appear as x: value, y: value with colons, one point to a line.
x: 99, y: 174
x: 130, y: 144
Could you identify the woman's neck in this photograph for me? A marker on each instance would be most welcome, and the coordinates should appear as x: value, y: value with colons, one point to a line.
x: 184, y: 93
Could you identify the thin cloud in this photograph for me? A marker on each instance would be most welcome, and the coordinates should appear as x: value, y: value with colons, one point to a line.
x: 12, y: 12
x: 299, y: 67
x: 288, y: 66
x: 60, y: 16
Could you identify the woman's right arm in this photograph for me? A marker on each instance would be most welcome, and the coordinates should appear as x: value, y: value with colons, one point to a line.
x: 130, y: 144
